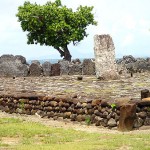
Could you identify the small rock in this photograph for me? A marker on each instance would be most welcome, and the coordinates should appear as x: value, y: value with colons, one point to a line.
x: 105, y: 114
x: 84, y: 105
x: 79, y: 78
x: 73, y: 117
x: 96, y: 102
x: 138, y: 123
x: 79, y: 105
x: 96, y: 112
x: 112, y: 122
x: 89, y: 106
x: 67, y: 114
x: 147, y: 122
x: 104, y: 122
x: 79, y: 118
x: 142, y: 114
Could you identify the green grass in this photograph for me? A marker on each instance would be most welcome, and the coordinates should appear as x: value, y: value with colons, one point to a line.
x: 36, y: 136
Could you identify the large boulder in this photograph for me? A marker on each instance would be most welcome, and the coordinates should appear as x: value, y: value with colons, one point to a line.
x: 88, y: 67
x: 128, y: 59
x: 46, y: 68
x: 20, y: 59
x: 13, y: 66
x: 36, y: 62
x: 142, y: 64
x: 133, y: 64
x: 35, y: 69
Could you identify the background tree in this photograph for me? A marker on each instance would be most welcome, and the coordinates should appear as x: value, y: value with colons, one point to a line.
x: 53, y: 24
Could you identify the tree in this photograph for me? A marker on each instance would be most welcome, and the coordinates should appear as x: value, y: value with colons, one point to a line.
x: 53, y: 24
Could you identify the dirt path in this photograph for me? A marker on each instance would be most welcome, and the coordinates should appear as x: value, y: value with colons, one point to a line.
x: 66, y: 124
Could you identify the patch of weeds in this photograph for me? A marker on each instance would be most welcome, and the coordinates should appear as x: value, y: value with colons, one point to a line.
x: 113, y: 106
x: 88, y: 120
x: 148, y: 109
x: 22, y: 105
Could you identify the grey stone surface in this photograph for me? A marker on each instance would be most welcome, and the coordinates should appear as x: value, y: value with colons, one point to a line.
x: 55, y: 69
x: 112, y: 122
x: 36, y: 62
x: 88, y: 67
x: 130, y: 64
x: 35, y: 69
x: 128, y: 59
x: 13, y: 66
x: 76, y: 61
x: 20, y: 59
x: 64, y: 67
x: 75, y: 69
x: 147, y: 122
x: 46, y: 68
x: 138, y: 122
x: 105, y: 57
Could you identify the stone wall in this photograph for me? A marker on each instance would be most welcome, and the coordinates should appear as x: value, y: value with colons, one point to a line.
x: 105, y: 57
x: 15, y: 66
x: 129, y: 64
x: 125, y: 116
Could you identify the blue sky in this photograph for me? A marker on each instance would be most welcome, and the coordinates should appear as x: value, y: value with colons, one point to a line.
x: 127, y: 21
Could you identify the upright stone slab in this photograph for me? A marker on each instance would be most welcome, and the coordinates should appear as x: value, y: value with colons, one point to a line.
x: 46, y: 68
x: 55, y: 69
x: 105, y: 57
x: 88, y: 67
x: 64, y: 67
x: 127, y: 117
x: 35, y: 69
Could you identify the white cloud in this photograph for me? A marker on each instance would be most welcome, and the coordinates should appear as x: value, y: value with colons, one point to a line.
x: 129, y: 38
x: 144, y: 26
x: 129, y: 22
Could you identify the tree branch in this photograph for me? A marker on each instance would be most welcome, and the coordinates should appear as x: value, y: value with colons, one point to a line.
x: 60, y: 51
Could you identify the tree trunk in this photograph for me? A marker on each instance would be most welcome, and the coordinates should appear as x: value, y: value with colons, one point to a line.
x: 64, y: 53
x: 67, y: 55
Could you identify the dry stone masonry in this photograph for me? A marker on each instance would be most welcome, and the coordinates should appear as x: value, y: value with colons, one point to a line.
x: 99, y: 112
x: 105, y: 57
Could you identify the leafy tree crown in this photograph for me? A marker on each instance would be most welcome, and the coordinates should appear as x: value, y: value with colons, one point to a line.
x: 54, y: 24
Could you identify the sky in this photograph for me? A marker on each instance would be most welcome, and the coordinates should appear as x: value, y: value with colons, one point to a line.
x: 127, y: 22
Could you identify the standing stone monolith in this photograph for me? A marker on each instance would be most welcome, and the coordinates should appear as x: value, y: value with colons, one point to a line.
x: 105, y: 63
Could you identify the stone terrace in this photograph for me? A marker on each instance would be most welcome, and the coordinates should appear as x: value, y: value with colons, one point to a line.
x: 86, y: 89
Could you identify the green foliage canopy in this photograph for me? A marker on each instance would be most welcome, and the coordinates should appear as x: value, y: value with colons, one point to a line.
x: 53, y: 24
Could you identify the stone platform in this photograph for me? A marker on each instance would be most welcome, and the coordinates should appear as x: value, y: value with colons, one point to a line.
x: 88, y: 88
x: 103, y: 103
